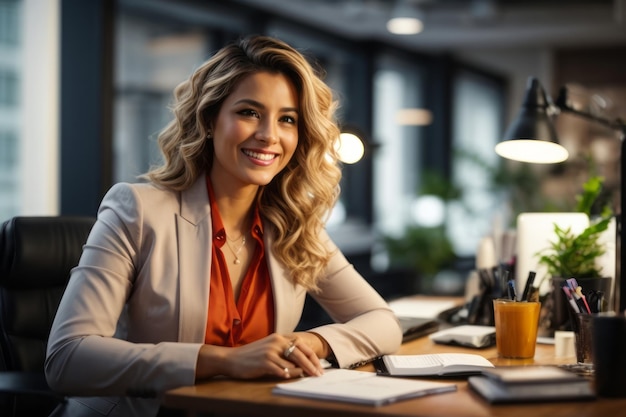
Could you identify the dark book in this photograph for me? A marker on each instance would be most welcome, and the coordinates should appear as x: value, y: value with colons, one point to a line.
x: 531, y: 384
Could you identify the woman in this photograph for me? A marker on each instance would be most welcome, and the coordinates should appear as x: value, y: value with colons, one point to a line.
x: 203, y: 270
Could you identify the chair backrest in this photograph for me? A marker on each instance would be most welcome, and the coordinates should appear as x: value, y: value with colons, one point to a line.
x: 36, y: 256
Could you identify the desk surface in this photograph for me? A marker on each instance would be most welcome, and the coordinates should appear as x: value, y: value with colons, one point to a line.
x: 254, y: 398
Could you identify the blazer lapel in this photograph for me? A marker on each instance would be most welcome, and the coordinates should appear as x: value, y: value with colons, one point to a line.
x: 284, y: 291
x: 194, y: 245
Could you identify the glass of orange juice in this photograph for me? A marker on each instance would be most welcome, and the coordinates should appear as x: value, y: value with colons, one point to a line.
x: 516, y: 328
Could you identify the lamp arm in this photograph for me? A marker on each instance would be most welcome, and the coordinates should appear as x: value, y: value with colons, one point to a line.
x: 563, y: 105
x: 617, y: 124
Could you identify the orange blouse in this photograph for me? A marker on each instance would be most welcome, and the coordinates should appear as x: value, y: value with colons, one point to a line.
x: 251, y: 317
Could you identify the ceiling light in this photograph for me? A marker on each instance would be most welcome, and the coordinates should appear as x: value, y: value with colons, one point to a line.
x: 406, y: 19
x: 414, y: 117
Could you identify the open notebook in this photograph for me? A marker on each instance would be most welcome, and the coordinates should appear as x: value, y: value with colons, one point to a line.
x: 435, y: 364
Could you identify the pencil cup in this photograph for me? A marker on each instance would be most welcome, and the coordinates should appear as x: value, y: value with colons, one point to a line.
x: 582, y: 339
x: 516, y: 328
x: 609, y: 345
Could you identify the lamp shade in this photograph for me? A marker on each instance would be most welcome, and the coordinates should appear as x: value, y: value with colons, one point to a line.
x: 405, y: 19
x: 531, y: 137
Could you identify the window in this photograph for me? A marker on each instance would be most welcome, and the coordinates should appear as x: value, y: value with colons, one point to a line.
x: 10, y: 54
x: 8, y: 164
x: 397, y: 86
x: 9, y: 22
x: 477, y: 126
x: 8, y: 150
x: 8, y: 88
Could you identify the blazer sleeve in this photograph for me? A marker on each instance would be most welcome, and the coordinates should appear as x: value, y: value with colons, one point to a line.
x: 365, y: 326
x: 83, y: 356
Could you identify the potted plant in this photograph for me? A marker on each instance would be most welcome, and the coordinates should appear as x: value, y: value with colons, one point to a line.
x: 424, y: 250
x: 573, y: 255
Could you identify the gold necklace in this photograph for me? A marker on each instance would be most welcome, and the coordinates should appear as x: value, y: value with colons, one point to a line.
x: 235, y: 252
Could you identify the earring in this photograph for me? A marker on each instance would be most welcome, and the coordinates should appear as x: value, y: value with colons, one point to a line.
x: 209, y: 135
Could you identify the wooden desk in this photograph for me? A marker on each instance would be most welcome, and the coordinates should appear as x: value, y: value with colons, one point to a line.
x: 254, y: 398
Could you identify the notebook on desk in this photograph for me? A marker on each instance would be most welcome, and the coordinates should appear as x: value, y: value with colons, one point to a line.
x: 524, y: 384
x: 361, y: 387
x: 468, y: 335
x: 415, y: 327
x: 420, y: 317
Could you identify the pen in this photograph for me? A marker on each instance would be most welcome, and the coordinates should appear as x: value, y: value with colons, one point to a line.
x: 600, y: 296
x: 533, y: 294
x: 529, y: 284
x: 504, y: 278
x: 581, y: 296
x: 593, y: 301
x: 474, y: 306
x: 578, y: 301
x: 511, y: 286
x: 485, y: 279
x: 572, y: 284
x: 572, y: 303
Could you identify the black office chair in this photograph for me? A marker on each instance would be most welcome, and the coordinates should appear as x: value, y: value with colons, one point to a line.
x: 36, y: 256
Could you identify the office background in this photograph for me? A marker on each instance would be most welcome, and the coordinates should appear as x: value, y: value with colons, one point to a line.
x: 84, y: 89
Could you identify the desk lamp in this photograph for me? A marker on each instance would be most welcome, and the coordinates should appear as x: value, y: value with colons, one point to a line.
x: 531, y: 137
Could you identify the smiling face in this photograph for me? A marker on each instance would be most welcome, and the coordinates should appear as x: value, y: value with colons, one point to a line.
x: 255, y: 133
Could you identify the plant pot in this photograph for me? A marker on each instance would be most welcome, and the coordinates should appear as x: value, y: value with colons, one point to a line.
x: 560, y: 314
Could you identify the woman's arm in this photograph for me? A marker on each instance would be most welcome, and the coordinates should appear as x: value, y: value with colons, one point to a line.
x: 365, y: 327
x: 85, y: 356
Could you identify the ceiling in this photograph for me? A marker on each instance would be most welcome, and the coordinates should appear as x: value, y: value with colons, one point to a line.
x: 451, y: 25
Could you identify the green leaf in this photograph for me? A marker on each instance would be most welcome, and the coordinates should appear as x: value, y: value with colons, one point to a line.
x: 576, y: 255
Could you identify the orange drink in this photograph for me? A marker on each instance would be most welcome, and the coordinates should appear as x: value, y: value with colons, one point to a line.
x: 516, y: 328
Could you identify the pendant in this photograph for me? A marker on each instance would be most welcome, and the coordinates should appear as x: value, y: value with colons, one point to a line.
x: 236, y: 261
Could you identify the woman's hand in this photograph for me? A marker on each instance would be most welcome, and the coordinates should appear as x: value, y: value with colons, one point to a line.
x: 283, y: 356
x: 304, y: 350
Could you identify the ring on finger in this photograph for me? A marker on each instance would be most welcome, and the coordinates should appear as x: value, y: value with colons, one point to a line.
x: 289, y: 351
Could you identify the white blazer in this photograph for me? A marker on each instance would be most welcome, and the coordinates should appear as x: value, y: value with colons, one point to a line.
x: 133, y: 317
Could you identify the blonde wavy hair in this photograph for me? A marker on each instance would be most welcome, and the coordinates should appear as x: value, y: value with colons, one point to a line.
x: 297, y: 202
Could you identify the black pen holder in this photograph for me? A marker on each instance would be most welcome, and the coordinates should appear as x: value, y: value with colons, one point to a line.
x: 560, y: 312
x: 582, y: 327
x: 609, y: 345
x: 480, y: 311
